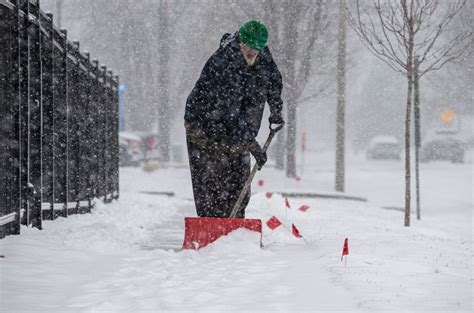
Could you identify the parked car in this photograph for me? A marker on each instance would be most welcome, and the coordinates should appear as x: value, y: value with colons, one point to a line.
x: 131, y: 152
x: 385, y: 148
x: 443, y: 148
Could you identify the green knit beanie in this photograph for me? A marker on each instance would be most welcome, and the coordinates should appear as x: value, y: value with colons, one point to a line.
x: 254, y: 34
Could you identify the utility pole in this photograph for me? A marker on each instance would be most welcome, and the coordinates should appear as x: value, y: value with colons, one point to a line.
x: 416, y: 111
x: 340, y: 77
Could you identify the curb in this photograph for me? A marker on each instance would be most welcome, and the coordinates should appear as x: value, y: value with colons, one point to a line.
x: 320, y: 195
x: 158, y: 193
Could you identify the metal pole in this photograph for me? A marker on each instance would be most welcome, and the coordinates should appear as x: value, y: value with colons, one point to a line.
x: 340, y: 114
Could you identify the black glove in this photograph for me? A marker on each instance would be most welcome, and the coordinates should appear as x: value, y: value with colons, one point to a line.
x: 276, y: 118
x: 259, y: 155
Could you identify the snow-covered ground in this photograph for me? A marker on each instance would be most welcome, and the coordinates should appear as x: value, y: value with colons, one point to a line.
x: 125, y: 257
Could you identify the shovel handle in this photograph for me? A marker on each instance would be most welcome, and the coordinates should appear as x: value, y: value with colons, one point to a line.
x: 237, y: 204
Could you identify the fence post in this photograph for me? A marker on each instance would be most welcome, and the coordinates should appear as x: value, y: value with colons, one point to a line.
x: 15, y: 112
x: 34, y: 117
x: 88, y: 166
x: 9, y: 206
x: 110, y: 134
x: 23, y: 111
x: 60, y: 125
x: 72, y: 128
x: 96, y: 135
x: 47, y: 140
x: 5, y: 119
x: 104, y: 127
x: 116, y: 137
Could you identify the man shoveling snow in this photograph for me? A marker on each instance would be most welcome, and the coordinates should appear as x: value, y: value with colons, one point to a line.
x: 223, y: 116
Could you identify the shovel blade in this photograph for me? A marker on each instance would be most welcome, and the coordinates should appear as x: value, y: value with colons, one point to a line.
x: 201, y: 231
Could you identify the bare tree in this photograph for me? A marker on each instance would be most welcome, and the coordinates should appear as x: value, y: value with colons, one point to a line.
x: 398, y: 31
x: 297, y: 26
x: 162, y: 33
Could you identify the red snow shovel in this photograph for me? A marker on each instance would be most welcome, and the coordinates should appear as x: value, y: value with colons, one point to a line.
x: 201, y: 231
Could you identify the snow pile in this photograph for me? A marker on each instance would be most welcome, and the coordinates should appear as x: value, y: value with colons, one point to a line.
x: 238, y: 242
x: 125, y: 256
x: 123, y: 226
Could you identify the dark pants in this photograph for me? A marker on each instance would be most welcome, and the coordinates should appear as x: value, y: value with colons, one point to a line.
x: 217, y: 179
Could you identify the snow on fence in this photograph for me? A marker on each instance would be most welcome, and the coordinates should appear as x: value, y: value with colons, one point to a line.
x: 58, y: 122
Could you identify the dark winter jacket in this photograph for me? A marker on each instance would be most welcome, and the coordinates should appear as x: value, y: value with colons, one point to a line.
x: 227, y: 102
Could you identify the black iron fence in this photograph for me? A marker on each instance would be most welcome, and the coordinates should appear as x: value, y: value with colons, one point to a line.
x: 58, y: 122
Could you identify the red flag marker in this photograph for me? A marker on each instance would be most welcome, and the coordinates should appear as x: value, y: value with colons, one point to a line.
x: 345, y: 248
x: 273, y: 223
x: 260, y: 182
x: 304, y: 208
x: 295, y: 231
x: 269, y: 195
x: 287, y: 203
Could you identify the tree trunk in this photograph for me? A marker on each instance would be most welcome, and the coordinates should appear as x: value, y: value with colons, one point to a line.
x: 291, y: 139
x: 59, y: 9
x: 280, y: 151
x: 407, y: 144
x: 340, y: 118
x: 164, y: 139
x: 409, y: 68
x: 273, y: 18
x: 163, y: 118
x: 416, y: 112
